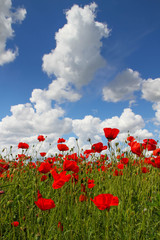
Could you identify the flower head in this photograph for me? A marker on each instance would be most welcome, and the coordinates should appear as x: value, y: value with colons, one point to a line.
x: 23, y: 145
x: 62, y: 147
x: 43, y: 203
x: 15, y: 223
x: 105, y: 201
x: 41, y: 138
x: 60, y: 140
x: 110, y: 133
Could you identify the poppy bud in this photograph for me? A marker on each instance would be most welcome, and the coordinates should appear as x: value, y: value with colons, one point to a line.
x: 60, y: 226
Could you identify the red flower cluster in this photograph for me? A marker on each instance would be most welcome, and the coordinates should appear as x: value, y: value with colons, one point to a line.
x: 150, y: 144
x: 70, y: 166
x: 3, y: 166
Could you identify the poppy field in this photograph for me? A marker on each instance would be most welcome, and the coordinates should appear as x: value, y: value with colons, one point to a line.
x: 82, y: 196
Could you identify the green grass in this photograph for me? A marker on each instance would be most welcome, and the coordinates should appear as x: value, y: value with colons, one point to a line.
x: 136, y: 217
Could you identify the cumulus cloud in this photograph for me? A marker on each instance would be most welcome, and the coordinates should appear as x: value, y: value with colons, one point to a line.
x: 150, y: 90
x: 77, y: 55
x: 156, y: 107
x: 60, y: 91
x: 25, y: 124
x: 86, y: 128
x: 7, y: 18
x: 127, y: 121
x: 41, y: 102
x: 123, y: 86
x: 92, y: 127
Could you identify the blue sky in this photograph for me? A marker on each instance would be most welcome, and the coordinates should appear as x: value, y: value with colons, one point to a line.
x: 70, y: 68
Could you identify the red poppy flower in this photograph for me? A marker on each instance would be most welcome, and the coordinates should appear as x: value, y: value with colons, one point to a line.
x: 32, y: 165
x: 130, y: 138
x: 3, y: 165
x: 23, y: 145
x: 15, y: 224
x: 62, y: 147
x: 137, y: 148
x: 157, y: 162
x: 124, y: 160
x: 98, y: 147
x: 59, y: 179
x: 144, y: 170
x: 43, y: 203
x: 70, y: 166
x: 60, y: 140
x: 88, y: 152
x: 43, y: 154
x: 82, y: 198
x: 150, y: 144
x: 43, y: 178
x: 110, y: 133
x: 91, y: 183
x: 45, y: 167
x: 120, y: 166
x: 105, y: 201
x: 41, y: 138
x: 156, y: 152
x: 118, y: 156
x: 117, y: 173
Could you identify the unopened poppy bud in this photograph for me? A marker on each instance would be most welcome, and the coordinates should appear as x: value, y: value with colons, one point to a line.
x: 116, y: 144
x: 60, y: 226
x: 39, y: 220
x: 118, y: 150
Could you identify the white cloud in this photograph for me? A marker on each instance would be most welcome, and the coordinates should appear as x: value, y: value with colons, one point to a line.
x: 150, y: 90
x: 25, y: 124
x: 92, y: 127
x: 7, y: 18
x: 156, y: 107
x: 127, y: 121
x: 87, y: 128
x: 77, y: 56
x: 123, y: 86
x: 40, y: 100
x: 60, y: 91
x: 19, y: 15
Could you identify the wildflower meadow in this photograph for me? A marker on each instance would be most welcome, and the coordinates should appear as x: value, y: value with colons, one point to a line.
x: 82, y: 195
